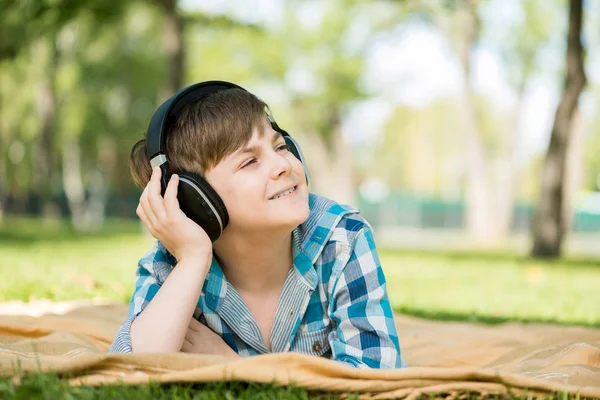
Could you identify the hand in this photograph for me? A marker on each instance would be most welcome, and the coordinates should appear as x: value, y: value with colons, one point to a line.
x: 202, y: 340
x: 166, y: 222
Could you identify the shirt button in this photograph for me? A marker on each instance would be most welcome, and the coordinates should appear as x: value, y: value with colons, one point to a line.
x: 291, y: 312
x: 316, y: 347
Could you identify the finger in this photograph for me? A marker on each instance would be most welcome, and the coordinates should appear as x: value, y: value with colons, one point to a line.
x: 171, y: 202
x: 144, y: 202
x: 144, y: 218
x: 187, y: 346
x: 154, y: 197
x: 195, y: 325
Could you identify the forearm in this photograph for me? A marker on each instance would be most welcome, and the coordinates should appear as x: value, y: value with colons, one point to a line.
x: 162, y: 326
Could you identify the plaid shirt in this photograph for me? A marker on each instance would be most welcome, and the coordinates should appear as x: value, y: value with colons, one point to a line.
x: 334, y: 301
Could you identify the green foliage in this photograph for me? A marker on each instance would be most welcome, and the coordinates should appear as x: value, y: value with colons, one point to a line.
x: 419, y: 150
x: 24, y: 21
x: 327, y: 52
x: 591, y: 180
x: 521, y: 43
x: 107, y: 76
x: 109, y: 70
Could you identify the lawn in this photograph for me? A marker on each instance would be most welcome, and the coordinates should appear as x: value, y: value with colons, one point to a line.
x: 50, y: 387
x: 56, y: 263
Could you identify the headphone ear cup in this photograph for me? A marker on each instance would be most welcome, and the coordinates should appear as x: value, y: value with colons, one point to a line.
x: 294, y: 148
x: 201, y: 203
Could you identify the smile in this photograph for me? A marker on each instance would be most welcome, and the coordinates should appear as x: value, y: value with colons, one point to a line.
x: 285, y: 193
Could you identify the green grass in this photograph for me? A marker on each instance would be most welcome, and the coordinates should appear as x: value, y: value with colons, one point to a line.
x: 54, y: 262
x: 52, y: 387
x: 493, y: 288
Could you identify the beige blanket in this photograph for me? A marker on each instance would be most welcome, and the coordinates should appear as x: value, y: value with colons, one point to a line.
x: 444, y: 358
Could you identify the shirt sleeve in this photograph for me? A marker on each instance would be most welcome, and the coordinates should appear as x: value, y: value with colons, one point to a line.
x: 365, y: 333
x: 146, y: 286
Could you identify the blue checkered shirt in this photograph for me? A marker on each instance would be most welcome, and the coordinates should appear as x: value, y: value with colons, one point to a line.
x: 334, y: 301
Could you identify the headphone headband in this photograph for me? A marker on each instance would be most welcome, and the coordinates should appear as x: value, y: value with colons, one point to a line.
x: 156, y: 140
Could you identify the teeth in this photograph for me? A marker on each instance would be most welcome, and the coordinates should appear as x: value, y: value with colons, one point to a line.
x: 284, y: 193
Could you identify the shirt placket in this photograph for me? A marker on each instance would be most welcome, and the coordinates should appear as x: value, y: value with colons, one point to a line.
x: 294, y: 300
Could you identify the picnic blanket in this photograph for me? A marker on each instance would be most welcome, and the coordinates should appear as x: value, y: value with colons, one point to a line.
x: 444, y: 358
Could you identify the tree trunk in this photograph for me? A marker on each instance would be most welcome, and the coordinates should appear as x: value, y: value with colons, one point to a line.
x: 506, y: 170
x: 573, y: 170
x: 4, y: 154
x: 3, y: 184
x: 86, y: 214
x: 330, y: 169
x: 327, y: 155
x: 548, y: 227
x: 46, y: 107
x: 480, y: 219
x: 73, y: 183
x: 174, y: 47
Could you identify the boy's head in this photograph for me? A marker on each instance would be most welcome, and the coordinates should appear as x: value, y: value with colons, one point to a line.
x: 209, y: 137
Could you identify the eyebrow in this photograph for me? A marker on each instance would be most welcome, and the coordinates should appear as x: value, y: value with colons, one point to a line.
x: 252, y: 149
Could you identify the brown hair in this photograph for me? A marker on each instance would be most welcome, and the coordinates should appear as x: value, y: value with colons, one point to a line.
x: 207, y: 130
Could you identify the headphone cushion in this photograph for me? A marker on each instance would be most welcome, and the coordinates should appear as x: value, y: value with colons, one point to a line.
x: 294, y: 148
x: 201, y: 203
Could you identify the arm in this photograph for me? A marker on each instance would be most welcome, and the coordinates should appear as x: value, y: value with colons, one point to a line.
x: 365, y: 333
x: 153, y: 333
x: 159, y: 319
x: 162, y: 325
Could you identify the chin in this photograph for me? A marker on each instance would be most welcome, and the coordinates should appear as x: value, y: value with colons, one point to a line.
x: 302, y: 215
x: 294, y: 216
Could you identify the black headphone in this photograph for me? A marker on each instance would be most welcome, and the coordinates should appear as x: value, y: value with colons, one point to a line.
x: 197, y: 199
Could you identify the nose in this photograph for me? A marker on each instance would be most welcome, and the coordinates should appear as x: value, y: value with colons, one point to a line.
x: 281, y: 165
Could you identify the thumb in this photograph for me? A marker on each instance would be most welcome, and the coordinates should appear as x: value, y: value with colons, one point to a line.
x: 171, y: 202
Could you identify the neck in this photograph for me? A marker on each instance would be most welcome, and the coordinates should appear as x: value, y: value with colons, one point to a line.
x: 255, y: 263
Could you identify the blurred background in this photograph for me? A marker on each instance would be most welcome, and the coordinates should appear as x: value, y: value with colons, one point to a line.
x: 467, y: 132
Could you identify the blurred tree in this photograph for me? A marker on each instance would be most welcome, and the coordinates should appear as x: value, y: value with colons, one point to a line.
x: 418, y: 151
x: 549, y: 221
x: 519, y: 46
x: 325, y: 54
x: 46, y: 109
x: 479, y: 198
x: 100, y: 86
x: 36, y: 26
x: 110, y: 79
x: 490, y: 162
x: 592, y: 148
x: 173, y: 45
x: 461, y: 24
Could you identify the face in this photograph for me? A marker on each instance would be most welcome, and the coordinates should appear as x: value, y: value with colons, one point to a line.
x: 263, y: 185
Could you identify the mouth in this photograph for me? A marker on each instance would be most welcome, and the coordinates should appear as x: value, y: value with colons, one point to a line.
x: 286, y: 193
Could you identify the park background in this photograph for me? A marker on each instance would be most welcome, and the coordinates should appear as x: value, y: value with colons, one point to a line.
x: 435, y: 118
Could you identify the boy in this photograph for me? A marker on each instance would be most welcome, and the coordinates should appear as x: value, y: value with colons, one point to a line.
x: 284, y: 270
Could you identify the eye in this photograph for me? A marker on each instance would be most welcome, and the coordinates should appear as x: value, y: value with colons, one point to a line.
x: 250, y: 162
x: 283, y: 147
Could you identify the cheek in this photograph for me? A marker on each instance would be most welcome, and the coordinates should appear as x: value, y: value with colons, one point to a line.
x: 239, y: 194
x: 297, y: 166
